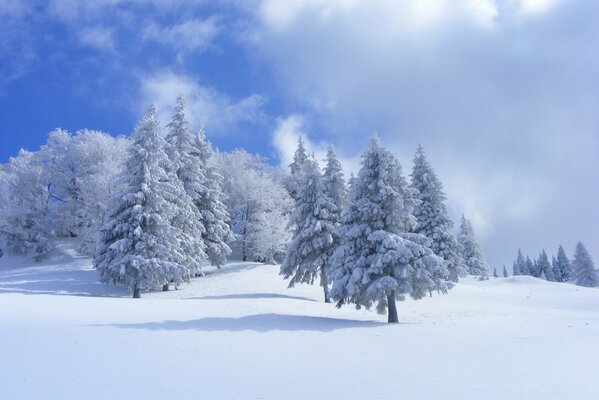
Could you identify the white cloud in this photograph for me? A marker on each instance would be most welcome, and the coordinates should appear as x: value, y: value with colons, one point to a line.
x: 392, y: 16
x: 99, y: 37
x: 285, y: 140
x: 505, y: 105
x: 191, y: 35
x: 535, y: 7
x: 206, y: 105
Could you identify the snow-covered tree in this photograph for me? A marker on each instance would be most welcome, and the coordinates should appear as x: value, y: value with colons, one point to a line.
x: 505, y: 274
x: 529, y: 266
x: 544, y: 266
x: 471, y: 251
x: 190, y: 169
x: 535, y: 270
x: 314, y: 231
x: 495, y: 273
x: 520, y: 267
x: 215, y: 215
x: 583, y: 268
x: 268, y: 235
x: 253, y: 189
x: 561, y: 267
x: 378, y: 262
x: 333, y: 181
x: 25, y: 214
x: 296, y: 167
x: 432, y: 218
x: 140, y: 247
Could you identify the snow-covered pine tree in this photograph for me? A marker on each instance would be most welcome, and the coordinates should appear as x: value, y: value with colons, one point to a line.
x: 336, y: 190
x: 471, y: 251
x: 529, y: 266
x: 216, y: 219
x: 189, y: 170
x: 505, y: 274
x: 296, y: 167
x: 191, y: 154
x: 535, y: 270
x: 495, y: 273
x: 378, y: 262
x: 333, y: 181
x: 314, y: 231
x: 520, y: 265
x: 583, y: 268
x: 140, y: 248
x: 544, y: 266
x: 432, y: 218
x: 562, y: 268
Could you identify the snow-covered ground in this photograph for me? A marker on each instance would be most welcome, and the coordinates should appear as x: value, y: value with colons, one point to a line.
x: 239, y: 333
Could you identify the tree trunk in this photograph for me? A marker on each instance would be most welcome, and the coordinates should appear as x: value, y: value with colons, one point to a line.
x: 136, y: 293
x: 165, y: 287
x: 324, y: 282
x: 392, y: 308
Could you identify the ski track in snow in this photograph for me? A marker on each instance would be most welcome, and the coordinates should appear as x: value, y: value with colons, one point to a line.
x: 240, y: 333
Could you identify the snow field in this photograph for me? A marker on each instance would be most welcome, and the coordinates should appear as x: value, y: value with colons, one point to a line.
x: 239, y: 333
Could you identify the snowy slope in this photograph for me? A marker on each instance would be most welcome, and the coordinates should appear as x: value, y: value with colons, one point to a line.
x: 239, y: 333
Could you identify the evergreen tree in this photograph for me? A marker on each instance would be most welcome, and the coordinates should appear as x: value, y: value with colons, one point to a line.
x: 432, y: 218
x: 215, y: 215
x: 335, y: 189
x: 545, y: 268
x: 378, y: 262
x: 333, y: 182
x: 315, y: 231
x: 529, y: 266
x: 583, y: 268
x: 535, y: 270
x: 189, y: 170
x: 521, y: 265
x: 140, y: 248
x: 296, y: 167
x: 562, y: 266
x: 505, y: 274
x: 471, y: 251
x: 495, y: 273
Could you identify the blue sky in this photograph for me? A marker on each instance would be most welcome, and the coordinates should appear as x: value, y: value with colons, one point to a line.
x: 503, y: 94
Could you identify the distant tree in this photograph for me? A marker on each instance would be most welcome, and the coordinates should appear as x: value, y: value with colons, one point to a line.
x: 505, y: 274
x: 378, y: 262
x: 432, y: 217
x: 140, y: 247
x: 545, y: 267
x: 268, y: 235
x: 253, y: 190
x: 583, y: 268
x: 520, y: 267
x: 529, y: 266
x: 471, y: 251
x: 296, y: 167
x: 561, y: 266
x: 535, y: 270
x: 314, y: 232
x: 495, y: 273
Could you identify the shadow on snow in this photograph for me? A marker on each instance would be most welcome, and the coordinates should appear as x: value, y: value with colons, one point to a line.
x: 242, y: 296
x: 258, y: 323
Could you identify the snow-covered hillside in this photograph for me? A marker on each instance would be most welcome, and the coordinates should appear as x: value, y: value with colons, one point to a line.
x: 239, y: 333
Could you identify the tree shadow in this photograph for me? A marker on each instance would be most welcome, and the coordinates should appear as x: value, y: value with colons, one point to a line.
x: 242, y: 296
x: 258, y: 323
